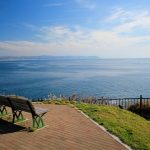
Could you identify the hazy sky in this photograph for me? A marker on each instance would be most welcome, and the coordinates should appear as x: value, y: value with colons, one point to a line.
x: 105, y: 28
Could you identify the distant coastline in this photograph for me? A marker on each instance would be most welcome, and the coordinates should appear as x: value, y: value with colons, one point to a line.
x: 7, y: 58
x: 45, y: 57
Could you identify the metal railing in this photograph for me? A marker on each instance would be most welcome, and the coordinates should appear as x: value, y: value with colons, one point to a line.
x: 123, y: 103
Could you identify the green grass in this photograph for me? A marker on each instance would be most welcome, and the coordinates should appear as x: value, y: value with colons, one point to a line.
x: 129, y: 127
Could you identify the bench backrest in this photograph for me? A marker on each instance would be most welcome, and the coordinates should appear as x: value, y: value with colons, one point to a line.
x: 20, y: 103
x: 4, y: 101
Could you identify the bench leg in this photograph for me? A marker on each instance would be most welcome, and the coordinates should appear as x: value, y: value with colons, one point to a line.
x: 38, y: 121
x: 17, y: 116
x: 3, y: 110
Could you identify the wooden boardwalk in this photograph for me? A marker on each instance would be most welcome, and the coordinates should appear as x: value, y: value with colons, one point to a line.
x: 67, y: 129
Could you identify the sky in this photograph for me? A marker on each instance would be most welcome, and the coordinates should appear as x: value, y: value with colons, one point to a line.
x: 103, y: 28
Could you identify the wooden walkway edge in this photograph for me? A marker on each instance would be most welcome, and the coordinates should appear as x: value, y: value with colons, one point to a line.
x: 68, y: 129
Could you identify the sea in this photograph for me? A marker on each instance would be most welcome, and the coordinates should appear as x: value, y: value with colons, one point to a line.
x: 38, y: 78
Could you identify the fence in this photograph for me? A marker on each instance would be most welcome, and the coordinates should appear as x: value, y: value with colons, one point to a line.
x: 124, y: 103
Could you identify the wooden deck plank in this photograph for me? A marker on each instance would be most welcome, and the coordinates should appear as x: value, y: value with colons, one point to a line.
x: 67, y: 129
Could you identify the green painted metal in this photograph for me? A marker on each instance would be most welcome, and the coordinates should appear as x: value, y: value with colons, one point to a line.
x: 38, y: 122
x: 18, y: 116
x: 3, y: 111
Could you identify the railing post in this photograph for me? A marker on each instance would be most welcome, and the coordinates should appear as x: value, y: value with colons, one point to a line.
x: 140, y: 104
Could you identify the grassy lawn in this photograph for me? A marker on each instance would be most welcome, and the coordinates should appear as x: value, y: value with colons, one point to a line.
x: 130, y: 128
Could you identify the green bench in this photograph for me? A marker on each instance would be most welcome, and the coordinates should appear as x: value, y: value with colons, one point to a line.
x: 3, y: 103
x: 20, y: 104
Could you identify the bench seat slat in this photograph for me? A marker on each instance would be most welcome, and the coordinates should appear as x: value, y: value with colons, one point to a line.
x: 40, y: 111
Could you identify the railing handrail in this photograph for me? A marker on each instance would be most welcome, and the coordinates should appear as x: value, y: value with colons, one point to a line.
x: 118, y: 98
x: 121, y: 102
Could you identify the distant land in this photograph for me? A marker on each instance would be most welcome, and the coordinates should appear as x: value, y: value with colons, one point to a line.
x: 7, y: 58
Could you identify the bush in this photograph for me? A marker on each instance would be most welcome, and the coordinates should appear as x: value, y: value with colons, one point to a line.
x: 144, y: 111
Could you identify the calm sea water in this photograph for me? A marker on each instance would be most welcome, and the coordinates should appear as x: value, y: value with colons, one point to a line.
x: 84, y: 77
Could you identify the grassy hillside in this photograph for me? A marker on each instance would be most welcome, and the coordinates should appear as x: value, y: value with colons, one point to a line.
x: 129, y: 127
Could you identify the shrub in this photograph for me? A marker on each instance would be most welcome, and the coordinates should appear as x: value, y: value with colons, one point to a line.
x: 144, y: 111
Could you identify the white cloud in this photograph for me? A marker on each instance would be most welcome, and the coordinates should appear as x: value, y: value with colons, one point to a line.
x: 59, y: 34
x: 128, y: 21
x: 64, y: 40
x: 60, y: 40
x: 121, y: 15
x: 89, y: 4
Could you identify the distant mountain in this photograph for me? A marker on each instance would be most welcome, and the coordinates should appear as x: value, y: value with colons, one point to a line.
x: 7, y: 58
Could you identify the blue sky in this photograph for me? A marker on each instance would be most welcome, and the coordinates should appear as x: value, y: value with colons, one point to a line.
x: 104, y: 28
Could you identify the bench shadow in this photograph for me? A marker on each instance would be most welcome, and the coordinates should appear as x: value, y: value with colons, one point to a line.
x: 8, y: 127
